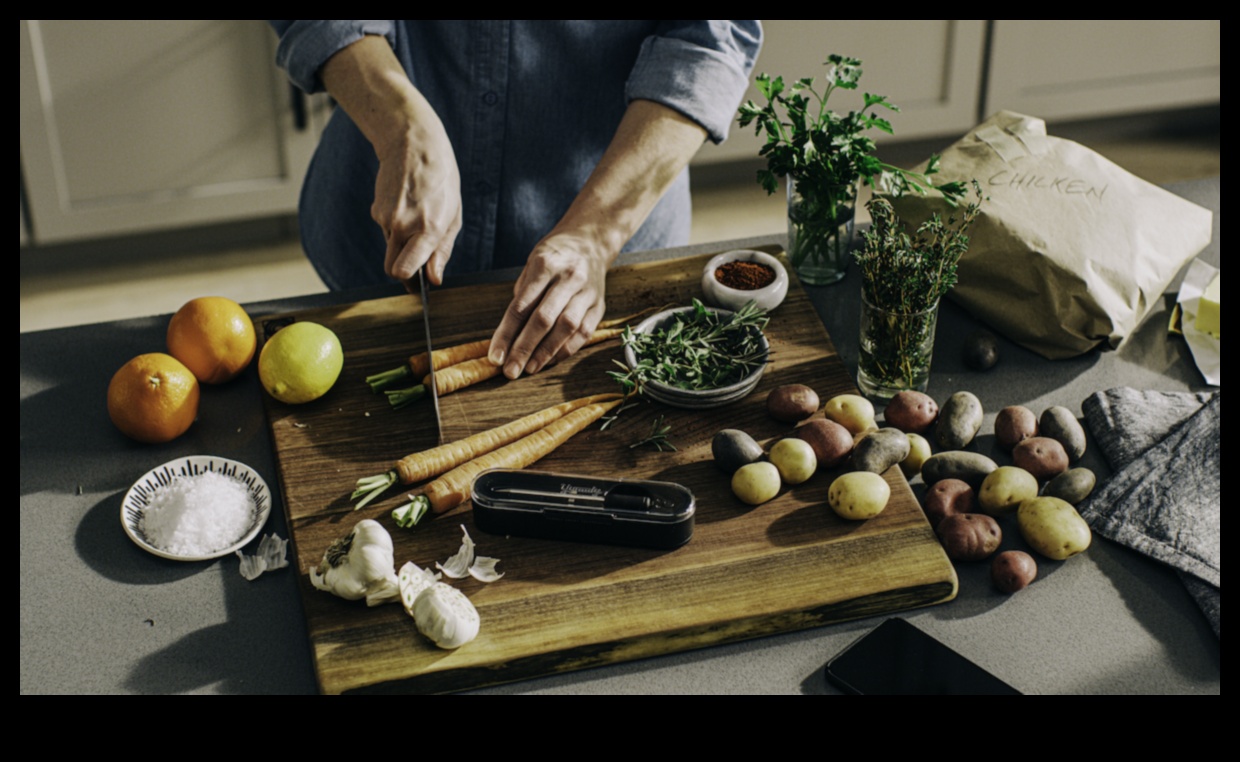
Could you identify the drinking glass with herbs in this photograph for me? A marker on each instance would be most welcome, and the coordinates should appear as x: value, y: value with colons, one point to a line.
x: 903, y: 277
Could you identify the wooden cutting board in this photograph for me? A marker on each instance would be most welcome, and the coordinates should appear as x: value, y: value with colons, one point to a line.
x: 748, y: 571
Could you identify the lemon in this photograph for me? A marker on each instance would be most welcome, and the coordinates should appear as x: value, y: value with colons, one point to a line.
x: 300, y: 362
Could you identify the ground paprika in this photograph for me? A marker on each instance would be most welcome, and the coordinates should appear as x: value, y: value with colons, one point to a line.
x: 743, y: 275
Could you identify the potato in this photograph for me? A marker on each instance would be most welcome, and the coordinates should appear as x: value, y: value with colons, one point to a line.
x: 1072, y: 486
x: 1060, y: 424
x: 1052, y: 527
x: 755, y: 483
x: 1043, y: 457
x: 1005, y: 488
x: 959, y: 420
x: 733, y: 448
x: 969, y: 536
x: 971, y: 467
x: 792, y: 402
x: 1013, y: 425
x: 879, y: 450
x: 911, y: 411
x: 858, y: 495
x: 1013, y: 570
x: 981, y: 350
x: 795, y: 460
x: 832, y: 442
x: 852, y: 411
x: 918, y: 451
x: 948, y: 497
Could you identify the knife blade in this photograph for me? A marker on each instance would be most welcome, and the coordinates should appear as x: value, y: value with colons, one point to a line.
x: 430, y: 352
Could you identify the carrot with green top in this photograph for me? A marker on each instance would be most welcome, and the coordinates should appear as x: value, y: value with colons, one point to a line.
x: 439, y: 460
x: 418, y: 365
x: 455, y: 377
x: 454, y: 487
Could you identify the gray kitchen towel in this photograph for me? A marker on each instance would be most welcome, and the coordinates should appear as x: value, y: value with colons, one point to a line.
x: 1164, y: 498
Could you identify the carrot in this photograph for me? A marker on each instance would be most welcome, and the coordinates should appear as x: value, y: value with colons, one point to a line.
x: 462, y: 375
x: 446, y: 357
x: 453, y: 488
x: 456, y: 377
x: 438, y: 460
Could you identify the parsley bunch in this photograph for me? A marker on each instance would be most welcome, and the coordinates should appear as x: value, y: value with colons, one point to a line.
x: 824, y: 152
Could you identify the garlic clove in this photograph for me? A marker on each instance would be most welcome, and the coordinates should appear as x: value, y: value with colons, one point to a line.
x: 445, y: 616
x: 413, y: 580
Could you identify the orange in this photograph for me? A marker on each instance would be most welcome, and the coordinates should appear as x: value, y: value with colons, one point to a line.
x: 214, y: 337
x: 153, y: 398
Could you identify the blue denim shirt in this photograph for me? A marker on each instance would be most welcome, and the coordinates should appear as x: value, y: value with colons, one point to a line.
x: 530, y: 107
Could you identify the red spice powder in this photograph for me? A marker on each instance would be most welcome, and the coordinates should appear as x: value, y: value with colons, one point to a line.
x: 745, y: 276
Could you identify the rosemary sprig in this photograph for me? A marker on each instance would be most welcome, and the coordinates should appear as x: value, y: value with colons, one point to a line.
x: 700, y: 349
x: 658, y: 437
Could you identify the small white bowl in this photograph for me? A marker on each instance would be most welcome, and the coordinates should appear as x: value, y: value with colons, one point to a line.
x: 140, y: 494
x: 768, y: 297
x: 703, y: 399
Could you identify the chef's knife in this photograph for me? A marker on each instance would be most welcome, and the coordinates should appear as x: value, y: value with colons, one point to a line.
x: 430, y: 352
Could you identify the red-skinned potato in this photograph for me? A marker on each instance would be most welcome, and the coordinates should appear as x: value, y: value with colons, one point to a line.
x: 1043, y: 457
x: 911, y: 412
x: 948, y: 497
x: 969, y: 536
x: 1013, y: 570
x: 832, y: 442
x: 791, y: 403
x: 1013, y: 425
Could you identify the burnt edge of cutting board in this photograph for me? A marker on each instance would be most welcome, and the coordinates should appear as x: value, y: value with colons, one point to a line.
x: 616, y: 652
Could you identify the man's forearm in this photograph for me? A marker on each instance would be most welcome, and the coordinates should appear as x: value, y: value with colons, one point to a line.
x: 650, y: 148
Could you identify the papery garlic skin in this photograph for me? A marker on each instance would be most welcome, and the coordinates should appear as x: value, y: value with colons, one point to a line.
x: 360, y: 565
x: 446, y: 616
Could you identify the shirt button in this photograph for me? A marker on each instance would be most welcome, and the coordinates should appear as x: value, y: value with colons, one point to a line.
x: 491, y: 98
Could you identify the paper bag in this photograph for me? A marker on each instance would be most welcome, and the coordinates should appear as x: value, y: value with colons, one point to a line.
x: 1070, y: 251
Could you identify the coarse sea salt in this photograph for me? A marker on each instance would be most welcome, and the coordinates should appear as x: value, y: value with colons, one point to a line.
x: 197, y: 515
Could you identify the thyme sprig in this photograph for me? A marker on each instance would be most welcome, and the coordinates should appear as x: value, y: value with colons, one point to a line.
x: 699, y: 349
x: 906, y: 274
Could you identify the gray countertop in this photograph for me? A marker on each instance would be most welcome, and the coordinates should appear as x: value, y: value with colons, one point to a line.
x: 100, y: 615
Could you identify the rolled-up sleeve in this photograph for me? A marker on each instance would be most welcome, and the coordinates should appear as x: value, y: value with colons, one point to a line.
x: 699, y: 68
x: 306, y: 45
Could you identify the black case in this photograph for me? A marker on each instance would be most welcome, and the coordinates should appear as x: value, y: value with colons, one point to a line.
x: 632, y: 512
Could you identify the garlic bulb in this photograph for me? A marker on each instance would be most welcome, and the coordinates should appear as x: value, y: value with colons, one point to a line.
x: 446, y: 616
x: 360, y: 565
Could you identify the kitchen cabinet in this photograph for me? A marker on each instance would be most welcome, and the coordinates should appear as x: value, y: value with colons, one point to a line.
x: 1086, y: 69
x: 136, y: 126
x: 947, y: 76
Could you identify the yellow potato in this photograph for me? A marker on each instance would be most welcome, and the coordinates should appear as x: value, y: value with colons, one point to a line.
x: 755, y: 483
x: 918, y: 453
x: 1005, y: 488
x: 1052, y: 527
x: 795, y: 460
x: 852, y: 411
x: 859, y: 495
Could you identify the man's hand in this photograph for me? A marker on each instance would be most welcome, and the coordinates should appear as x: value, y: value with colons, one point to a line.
x: 558, y: 299
x: 418, y: 204
x: 418, y: 188
x: 557, y: 303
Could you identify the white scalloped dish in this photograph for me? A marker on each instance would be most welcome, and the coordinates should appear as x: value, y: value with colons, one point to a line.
x: 139, y: 497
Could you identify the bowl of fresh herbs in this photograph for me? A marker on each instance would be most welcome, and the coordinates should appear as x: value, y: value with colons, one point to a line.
x: 696, y: 357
